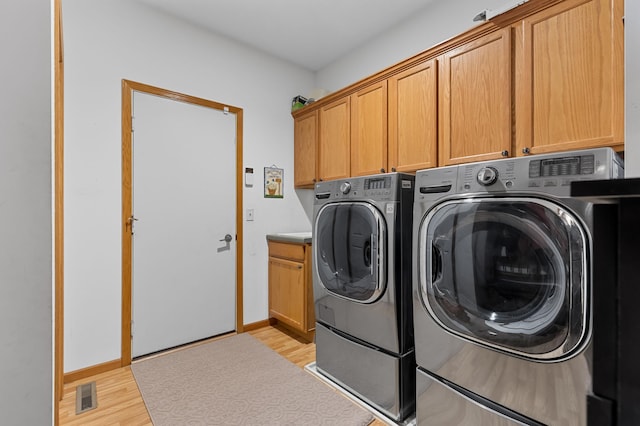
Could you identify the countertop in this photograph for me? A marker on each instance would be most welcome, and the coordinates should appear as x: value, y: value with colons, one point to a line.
x: 291, y: 237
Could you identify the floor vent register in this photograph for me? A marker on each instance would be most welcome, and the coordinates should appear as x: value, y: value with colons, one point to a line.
x: 86, y: 397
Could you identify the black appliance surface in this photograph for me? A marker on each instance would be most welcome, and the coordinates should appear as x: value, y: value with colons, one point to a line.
x: 616, y: 346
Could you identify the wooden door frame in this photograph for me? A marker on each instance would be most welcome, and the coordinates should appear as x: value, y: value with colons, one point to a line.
x: 58, y: 161
x: 128, y: 87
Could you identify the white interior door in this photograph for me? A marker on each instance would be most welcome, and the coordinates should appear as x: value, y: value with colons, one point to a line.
x: 184, y: 202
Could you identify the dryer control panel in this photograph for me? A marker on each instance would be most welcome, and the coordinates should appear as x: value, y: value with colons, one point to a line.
x: 383, y: 187
x: 382, y: 182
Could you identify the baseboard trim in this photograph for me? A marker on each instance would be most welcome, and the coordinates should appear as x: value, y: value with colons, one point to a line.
x: 91, y: 371
x: 308, y: 336
x: 256, y: 325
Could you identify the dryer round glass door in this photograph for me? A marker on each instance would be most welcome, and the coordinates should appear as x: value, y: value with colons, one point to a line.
x: 508, y: 273
x: 350, y: 242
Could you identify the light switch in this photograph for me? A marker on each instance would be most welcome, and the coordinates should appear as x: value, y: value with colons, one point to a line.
x: 249, y: 215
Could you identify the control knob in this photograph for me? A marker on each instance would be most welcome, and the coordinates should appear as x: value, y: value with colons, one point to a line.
x: 487, y: 176
x: 345, y: 187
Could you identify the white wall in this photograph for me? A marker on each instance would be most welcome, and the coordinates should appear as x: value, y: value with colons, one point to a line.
x: 26, y: 392
x: 439, y: 21
x: 632, y: 89
x: 106, y: 41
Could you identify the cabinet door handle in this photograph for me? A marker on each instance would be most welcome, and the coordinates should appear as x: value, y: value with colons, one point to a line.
x: 299, y: 266
x: 526, y: 151
x: 382, y: 170
x: 393, y: 169
x: 505, y: 153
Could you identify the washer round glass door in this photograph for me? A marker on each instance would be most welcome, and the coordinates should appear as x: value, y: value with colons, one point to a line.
x: 349, y: 243
x: 508, y: 273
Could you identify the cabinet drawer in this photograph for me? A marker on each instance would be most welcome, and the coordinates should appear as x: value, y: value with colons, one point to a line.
x: 287, y: 251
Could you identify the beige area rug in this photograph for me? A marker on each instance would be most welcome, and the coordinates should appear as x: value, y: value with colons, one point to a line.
x: 238, y: 381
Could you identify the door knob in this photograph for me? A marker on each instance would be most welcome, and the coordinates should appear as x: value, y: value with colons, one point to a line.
x: 227, y: 238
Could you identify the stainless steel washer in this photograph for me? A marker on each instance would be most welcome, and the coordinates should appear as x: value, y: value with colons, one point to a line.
x: 502, y: 290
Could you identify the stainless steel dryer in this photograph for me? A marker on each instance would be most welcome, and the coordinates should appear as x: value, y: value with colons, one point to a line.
x: 502, y: 290
x: 362, y: 289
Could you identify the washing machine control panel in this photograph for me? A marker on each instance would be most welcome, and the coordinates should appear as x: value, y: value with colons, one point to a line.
x: 546, y: 173
x: 487, y: 176
x: 562, y: 166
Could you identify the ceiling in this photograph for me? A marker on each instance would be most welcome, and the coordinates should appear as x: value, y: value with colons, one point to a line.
x: 309, y: 33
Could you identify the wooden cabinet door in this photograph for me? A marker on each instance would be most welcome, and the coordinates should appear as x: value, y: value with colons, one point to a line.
x: 334, y: 147
x: 413, y: 118
x: 369, y: 130
x: 569, y: 82
x: 475, y: 100
x: 287, y: 301
x: 305, y: 148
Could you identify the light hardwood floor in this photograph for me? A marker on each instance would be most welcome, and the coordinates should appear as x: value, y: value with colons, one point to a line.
x: 120, y: 402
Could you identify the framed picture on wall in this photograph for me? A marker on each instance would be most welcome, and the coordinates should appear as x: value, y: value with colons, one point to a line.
x: 273, y: 182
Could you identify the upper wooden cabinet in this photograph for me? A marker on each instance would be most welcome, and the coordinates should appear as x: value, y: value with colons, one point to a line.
x: 475, y: 100
x: 546, y: 76
x: 570, y: 82
x: 334, y: 144
x: 413, y: 118
x: 369, y: 130
x: 305, y: 150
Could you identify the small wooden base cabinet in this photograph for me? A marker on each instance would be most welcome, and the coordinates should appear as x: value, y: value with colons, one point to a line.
x: 290, y: 287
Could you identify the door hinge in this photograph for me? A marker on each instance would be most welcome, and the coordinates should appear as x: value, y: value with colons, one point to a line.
x: 131, y: 328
